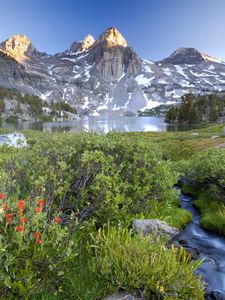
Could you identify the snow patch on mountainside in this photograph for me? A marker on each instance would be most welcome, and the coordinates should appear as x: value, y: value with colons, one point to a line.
x: 141, y: 80
x: 180, y: 70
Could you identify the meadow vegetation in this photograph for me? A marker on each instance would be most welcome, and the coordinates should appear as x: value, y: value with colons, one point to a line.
x: 67, y: 205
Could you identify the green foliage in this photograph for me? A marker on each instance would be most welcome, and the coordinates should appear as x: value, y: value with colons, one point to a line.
x: 212, y: 213
x: 80, y: 281
x: 62, y: 106
x: 46, y: 118
x: 2, y: 106
x: 207, y: 171
x: 12, y: 120
x: 206, y: 175
x: 195, y: 109
x: 9, y: 93
x: 35, y: 104
x: 132, y: 262
x: 105, y: 178
x: 97, y: 180
x: 34, y: 248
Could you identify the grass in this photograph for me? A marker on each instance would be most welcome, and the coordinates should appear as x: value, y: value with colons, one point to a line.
x: 181, y: 145
x: 132, y: 262
x: 179, y: 218
x: 212, y: 213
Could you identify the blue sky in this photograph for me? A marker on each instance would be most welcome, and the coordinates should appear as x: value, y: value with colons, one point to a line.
x: 154, y: 28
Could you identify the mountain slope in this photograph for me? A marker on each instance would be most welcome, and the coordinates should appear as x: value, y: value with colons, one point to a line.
x: 107, y: 74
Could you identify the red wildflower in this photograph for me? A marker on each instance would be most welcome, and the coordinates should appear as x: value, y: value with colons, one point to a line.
x: 20, y: 228
x: 9, y: 218
x: 21, y: 204
x: 41, y: 202
x: 39, y: 241
x: 23, y: 220
x: 5, y: 207
x: 57, y: 220
x: 36, y: 235
x: 2, y: 196
x: 38, y: 210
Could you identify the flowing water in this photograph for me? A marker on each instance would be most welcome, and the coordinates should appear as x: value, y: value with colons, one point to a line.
x: 209, y: 246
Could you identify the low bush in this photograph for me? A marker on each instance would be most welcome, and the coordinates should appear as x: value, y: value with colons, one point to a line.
x: 134, y: 263
x: 93, y: 180
x: 205, y: 174
x: 106, y: 178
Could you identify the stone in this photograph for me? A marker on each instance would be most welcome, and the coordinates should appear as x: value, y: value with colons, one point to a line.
x: 16, y: 140
x: 195, y: 134
x: 122, y: 296
x: 220, y: 146
x: 149, y: 226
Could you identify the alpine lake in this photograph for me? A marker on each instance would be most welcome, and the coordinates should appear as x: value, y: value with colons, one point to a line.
x: 102, y: 124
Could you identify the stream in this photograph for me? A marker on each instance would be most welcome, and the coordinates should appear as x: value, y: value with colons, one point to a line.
x: 205, y: 245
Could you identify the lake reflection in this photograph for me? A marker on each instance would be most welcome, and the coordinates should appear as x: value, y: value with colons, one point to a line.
x: 100, y: 124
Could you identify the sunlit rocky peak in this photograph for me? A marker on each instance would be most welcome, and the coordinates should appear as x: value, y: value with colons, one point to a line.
x: 113, y: 38
x: 18, y: 46
x: 87, y: 42
x: 211, y: 59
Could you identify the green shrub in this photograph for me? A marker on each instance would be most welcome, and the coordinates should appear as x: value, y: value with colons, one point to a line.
x: 95, y: 180
x: 205, y: 173
x: 62, y: 106
x: 207, y: 170
x: 105, y: 178
x: 34, y: 248
x: 12, y: 120
x: 135, y: 263
x: 2, y: 106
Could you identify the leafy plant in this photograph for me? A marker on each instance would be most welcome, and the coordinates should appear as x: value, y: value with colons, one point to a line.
x: 134, y: 263
x: 34, y: 248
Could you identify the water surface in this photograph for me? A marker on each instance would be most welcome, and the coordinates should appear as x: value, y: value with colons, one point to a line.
x: 209, y: 246
x: 101, y: 124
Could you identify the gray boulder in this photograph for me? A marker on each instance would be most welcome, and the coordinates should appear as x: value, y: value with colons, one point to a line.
x: 149, y: 226
x: 122, y: 296
x: 16, y: 140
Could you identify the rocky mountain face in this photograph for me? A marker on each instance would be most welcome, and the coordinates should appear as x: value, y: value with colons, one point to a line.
x: 106, y: 74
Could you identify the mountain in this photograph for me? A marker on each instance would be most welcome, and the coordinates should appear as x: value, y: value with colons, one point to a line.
x: 189, y: 56
x: 107, y: 74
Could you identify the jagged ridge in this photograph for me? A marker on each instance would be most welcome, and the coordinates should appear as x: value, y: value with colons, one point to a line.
x: 107, y: 74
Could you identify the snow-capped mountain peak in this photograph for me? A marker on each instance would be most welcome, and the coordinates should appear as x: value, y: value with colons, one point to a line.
x: 189, y: 56
x: 107, y: 74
